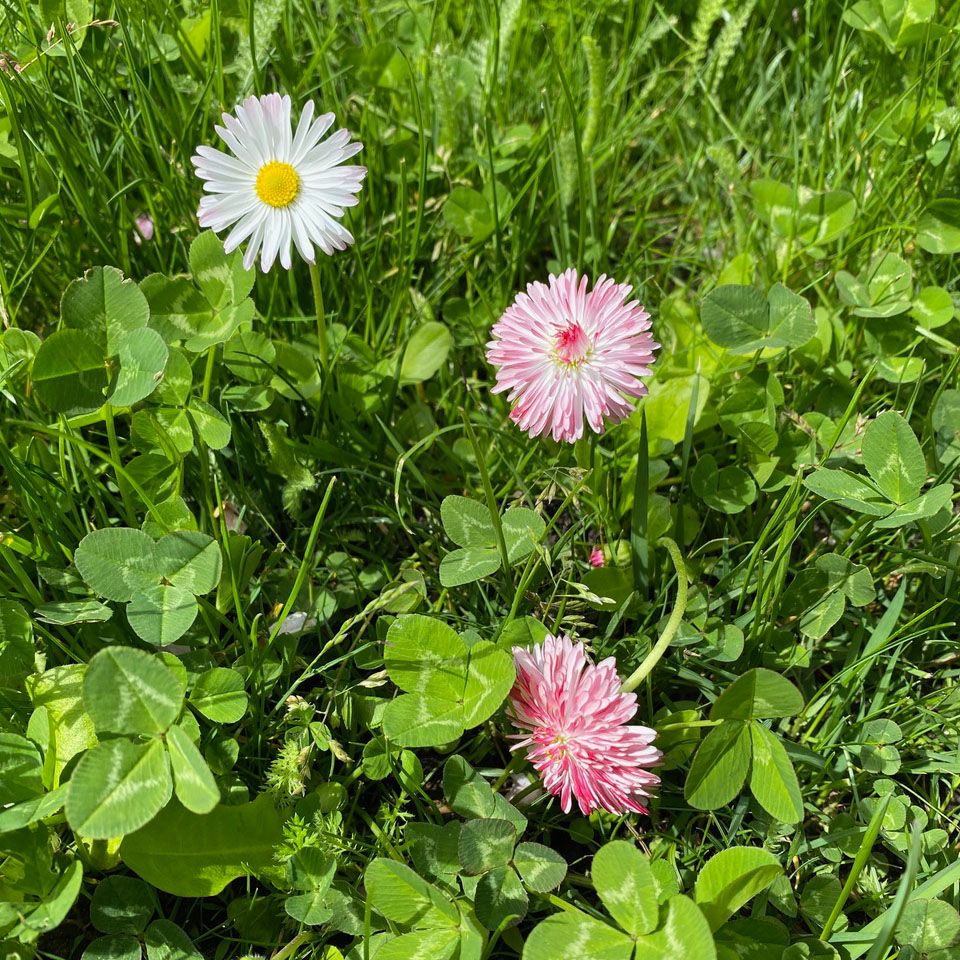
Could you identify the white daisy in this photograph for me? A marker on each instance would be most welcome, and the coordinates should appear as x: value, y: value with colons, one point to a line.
x: 278, y: 188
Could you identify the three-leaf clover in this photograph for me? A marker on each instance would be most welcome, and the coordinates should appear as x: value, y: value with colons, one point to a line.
x: 104, y: 351
x: 171, y: 425
x: 449, y: 686
x: 207, y: 311
x: 469, y: 525
x: 159, y: 580
x: 121, y: 909
x: 653, y: 920
x: 122, y: 783
x: 742, y: 746
x: 743, y: 320
x: 819, y: 594
x: 488, y: 849
x: 896, y: 471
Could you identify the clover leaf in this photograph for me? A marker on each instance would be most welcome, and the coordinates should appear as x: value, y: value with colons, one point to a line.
x: 896, y: 471
x: 449, y: 687
x: 658, y: 922
x: 104, y: 351
x: 202, y: 318
x: 158, y: 579
x: 134, y: 698
x: 743, y: 320
x: 741, y: 747
x: 469, y: 525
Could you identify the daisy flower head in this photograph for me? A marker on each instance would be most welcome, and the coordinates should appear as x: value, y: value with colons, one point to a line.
x: 278, y: 188
x: 574, y: 719
x: 567, y: 355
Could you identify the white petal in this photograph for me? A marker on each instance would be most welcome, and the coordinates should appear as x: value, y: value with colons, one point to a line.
x: 249, y: 126
x: 216, y: 161
x: 244, y: 148
x: 312, y: 137
x: 302, y: 238
x: 253, y: 248
x: 285, y: 240
x: 303, y: 128
x: 243, y: 229
x: 272, y: 233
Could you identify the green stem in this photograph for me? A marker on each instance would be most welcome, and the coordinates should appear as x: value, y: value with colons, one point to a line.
x: 208, y: 373
x: 512, y: 765
x: 305, y: 565
x: 115, y: 456
x: 321, y: 317
x: 525, y: 577
x: 689, y: 725
x: 863, y: 855
x: 298, y: 941
x: 673, y: 624
x: 202, y: 453
x: 492, y: 506
x: 234, y: 586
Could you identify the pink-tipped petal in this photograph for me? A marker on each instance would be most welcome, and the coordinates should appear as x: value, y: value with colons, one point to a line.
x: 568, y: 357
x: 575, y: 729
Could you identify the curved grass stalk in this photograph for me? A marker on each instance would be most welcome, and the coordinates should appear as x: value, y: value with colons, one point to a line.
x: 673, y: 624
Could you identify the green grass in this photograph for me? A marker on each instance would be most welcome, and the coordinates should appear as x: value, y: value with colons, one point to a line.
x: 634, y: 139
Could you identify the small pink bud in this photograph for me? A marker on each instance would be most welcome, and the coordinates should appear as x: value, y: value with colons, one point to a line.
x: 596, y: 557
x: 231, y: 517
x: 144, y: 227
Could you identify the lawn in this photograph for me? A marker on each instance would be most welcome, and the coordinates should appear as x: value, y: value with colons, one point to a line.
x: 563, y: 564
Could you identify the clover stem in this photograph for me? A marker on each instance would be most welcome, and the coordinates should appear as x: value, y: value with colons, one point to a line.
x: 292, y: 946
x: 673, y: 624
x: 117, y: 464
x: 208, y: 373
x: 321, y: 317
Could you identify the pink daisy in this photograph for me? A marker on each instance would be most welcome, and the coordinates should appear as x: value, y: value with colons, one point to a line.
x: 575, y: 717
x: 565, y: 355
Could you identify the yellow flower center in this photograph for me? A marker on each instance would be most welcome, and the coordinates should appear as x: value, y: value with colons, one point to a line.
x: 277, y: 184
x: 560, y: 742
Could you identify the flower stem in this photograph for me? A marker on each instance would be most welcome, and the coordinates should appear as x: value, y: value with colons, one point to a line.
x: 492, y: 506
x: 202, y: 451
x: 512, y: 765
x: 673, y: 624
x: 321, y: 317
